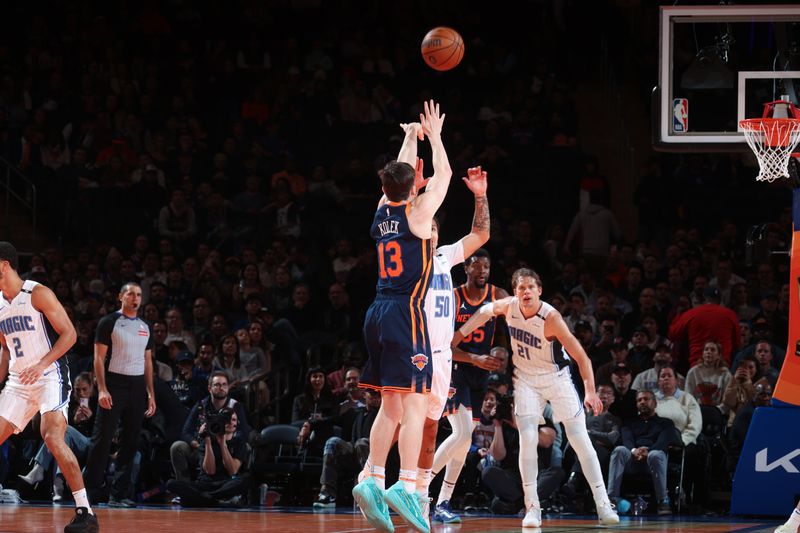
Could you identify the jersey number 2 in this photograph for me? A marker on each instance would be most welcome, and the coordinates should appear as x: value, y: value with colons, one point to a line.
x: 17, y: 347
x: 390, y: 259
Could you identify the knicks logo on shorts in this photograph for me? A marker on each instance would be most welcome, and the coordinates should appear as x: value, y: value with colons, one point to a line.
x: 451, y: 392
x: 420, y: 361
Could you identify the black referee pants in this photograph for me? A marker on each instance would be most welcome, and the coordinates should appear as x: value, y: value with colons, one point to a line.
x: 128, y: 404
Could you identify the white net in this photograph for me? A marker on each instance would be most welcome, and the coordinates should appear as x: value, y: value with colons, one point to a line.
x: 772, y: 140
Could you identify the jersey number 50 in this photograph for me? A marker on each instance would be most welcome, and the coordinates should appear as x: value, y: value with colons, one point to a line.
x: 390, y: 259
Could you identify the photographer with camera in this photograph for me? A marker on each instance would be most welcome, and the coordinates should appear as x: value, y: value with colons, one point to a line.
x: 220, y: 481
x: 185, y: 454
x: 501, y: 471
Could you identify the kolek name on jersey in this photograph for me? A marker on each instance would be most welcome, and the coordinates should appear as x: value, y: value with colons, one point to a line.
x: 17, y: 323
x: 389, y: 226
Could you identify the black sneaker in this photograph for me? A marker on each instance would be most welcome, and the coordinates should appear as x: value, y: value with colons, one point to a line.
x: 82, y: 522
x: 124, y: 503
x: 325, y: 501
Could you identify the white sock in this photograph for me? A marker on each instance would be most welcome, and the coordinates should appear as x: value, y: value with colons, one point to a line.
x: 409, y: 479
x: 379, y: 474
x: 794, y: 520
x: 424, y: 477
x: 81, y: 500
x: 446, y: 493
x: 367, y: 467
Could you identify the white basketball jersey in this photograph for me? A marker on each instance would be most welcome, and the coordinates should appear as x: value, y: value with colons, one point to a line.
x: 29, y: 335
x: 440, y: 302
x: 533, y: 353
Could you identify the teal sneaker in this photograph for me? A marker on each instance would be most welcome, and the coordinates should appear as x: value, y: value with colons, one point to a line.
x: 369, y: 497
x: 407, y: 506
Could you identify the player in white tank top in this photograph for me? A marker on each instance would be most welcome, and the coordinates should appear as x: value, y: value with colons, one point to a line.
x: 541, y: 374
x: 27, y: 332
x: 35, y: 333
x: 440, y: 316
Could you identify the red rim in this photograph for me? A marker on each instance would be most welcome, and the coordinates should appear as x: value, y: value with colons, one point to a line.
x: 773, y: 129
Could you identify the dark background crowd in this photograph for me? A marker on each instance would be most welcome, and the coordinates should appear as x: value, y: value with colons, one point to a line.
x: 224, y: 157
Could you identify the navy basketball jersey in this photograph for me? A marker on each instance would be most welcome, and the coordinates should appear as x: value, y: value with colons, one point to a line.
x: 479, y: 341
x: 404, y: 260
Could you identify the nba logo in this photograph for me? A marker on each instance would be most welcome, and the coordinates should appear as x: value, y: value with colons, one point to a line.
x: 680, y: 115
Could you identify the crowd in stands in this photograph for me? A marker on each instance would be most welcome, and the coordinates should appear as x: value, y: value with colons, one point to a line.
x: 228, y: 165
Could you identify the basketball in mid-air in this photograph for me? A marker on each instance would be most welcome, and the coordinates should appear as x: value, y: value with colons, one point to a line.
x: 442, y: 48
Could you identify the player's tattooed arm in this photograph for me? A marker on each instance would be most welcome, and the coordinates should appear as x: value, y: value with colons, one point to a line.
x: 477, y: 183
x: 480, y: 220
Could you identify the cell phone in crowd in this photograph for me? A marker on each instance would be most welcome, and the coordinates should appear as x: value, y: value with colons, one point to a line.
x: 84, y: 402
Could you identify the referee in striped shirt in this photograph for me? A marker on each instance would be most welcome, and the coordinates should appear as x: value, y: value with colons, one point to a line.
x: 123, y: 368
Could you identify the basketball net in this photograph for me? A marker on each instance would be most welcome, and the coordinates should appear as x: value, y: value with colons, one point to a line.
x: 773, y: 138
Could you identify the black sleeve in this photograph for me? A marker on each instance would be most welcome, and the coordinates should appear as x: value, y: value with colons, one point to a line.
x: 244, y: 427
x: 628, y: 439
x: 238, y: 449
x: 190, y: 425
x: 297, y: 410
x: 104, y: 329
x: 151, y: 344
x: 666, y: 437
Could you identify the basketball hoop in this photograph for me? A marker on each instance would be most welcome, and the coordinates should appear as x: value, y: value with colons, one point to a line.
x: 773, y: 139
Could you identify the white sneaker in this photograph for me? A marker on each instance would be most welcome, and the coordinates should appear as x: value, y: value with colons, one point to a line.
x: 606, y: 513
x: 785, y: 528
x: 425, y: 507
x: 533, y: 518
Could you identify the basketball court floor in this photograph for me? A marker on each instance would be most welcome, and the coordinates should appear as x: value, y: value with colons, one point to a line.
x: 51, y: 519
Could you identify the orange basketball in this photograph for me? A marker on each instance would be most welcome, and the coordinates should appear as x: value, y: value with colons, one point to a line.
x: 442, y: 48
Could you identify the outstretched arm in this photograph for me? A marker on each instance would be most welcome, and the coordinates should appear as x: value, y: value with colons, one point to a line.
x: 484, y: 314
x: 477, y: 183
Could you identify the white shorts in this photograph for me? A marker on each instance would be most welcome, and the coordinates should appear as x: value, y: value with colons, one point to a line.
x: 19, y: 403
x: 532, y: 392
x: 440, y: 384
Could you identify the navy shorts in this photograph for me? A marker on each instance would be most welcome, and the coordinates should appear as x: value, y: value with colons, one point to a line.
x: 469, y: 383
x: 396, y: 335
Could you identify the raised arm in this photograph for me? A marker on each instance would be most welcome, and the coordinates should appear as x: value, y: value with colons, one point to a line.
x: 408, y: 151
x: 426, y: 204
x: 484, y: 314
x: 408, y: 154
x: 555, y: 326
x: 477, y: 183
